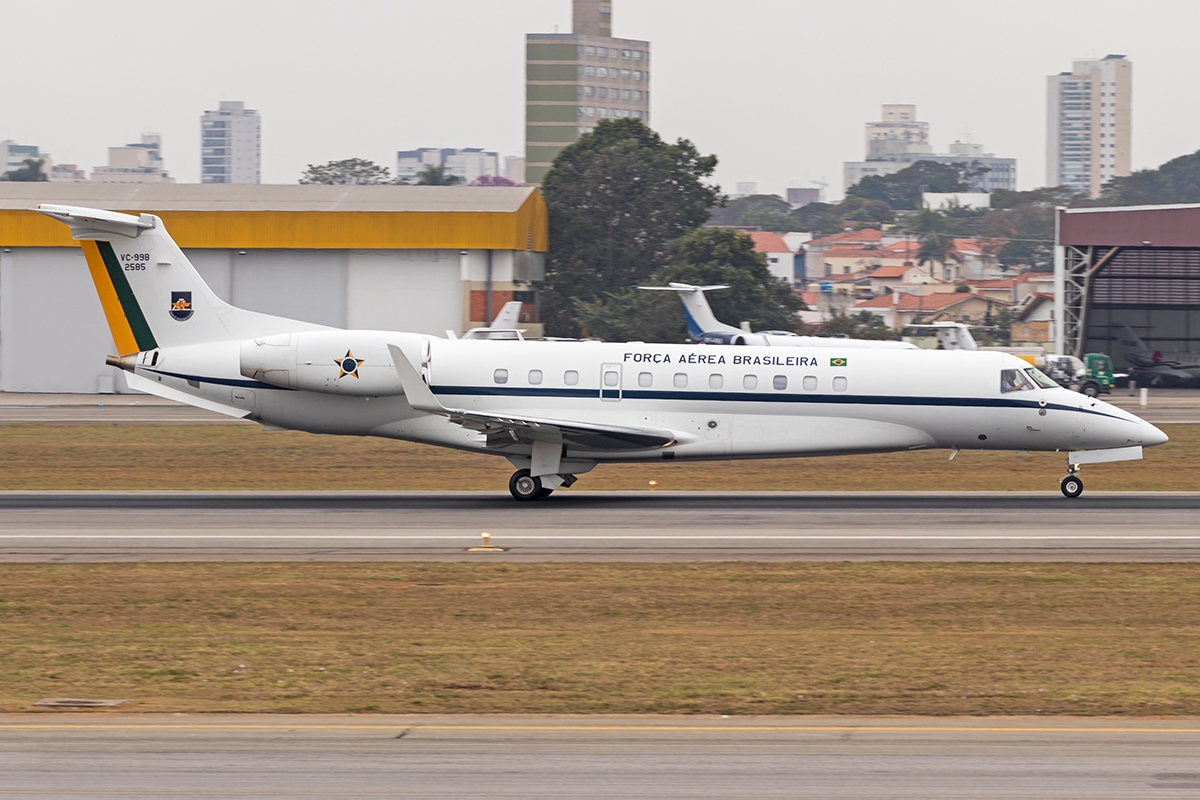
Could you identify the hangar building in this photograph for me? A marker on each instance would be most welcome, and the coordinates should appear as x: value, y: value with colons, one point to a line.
x: 413, y: 258
x: 1132, y: 265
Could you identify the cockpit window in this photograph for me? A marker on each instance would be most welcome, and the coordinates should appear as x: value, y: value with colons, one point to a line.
x: 1013, y: 380
x: 1041, y: 379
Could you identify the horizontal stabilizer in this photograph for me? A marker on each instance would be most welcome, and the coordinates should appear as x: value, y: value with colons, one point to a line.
x: 94, y: 223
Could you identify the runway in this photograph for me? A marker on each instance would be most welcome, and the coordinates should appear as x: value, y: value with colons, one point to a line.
x: 125, y: 756
x: 596, y: 526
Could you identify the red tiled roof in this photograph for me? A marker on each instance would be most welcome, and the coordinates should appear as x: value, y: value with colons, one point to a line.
x: 929, y: 302
x: 997, y: 283
x: 810, y: 299
x: 890, y: 272
x: 865, y: 235
x: 767, y: 242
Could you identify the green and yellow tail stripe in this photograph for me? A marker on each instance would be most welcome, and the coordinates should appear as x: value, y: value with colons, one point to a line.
x: 130, y: 331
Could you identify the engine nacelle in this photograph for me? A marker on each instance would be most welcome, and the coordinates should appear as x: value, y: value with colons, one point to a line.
x: 721, y: 337
x: 355, y: 363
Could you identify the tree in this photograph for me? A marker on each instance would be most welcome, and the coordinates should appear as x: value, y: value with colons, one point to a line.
x: 436, y: 175
x: 863, y: 325
x: 31, y: 172
x: 853, y: 212
x: 767, y: 211
x: 632, y: 316
x: 1177, y: 181
x: 352, y: 171
x: 616, y: 197
x: 493, y: 180
x: 935, y: 236
x: 903, y: 189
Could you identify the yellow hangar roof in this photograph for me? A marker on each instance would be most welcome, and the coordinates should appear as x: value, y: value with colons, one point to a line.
x: 294, y: 216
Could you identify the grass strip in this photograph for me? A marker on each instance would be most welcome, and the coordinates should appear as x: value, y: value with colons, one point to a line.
x: 737, y: 638
x: 185, y: 457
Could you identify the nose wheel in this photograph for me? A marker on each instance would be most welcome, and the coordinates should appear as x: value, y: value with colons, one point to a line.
x: 1072, y: 485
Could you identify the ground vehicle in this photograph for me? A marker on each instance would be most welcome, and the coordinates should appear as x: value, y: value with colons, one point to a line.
x: 1092, y: 374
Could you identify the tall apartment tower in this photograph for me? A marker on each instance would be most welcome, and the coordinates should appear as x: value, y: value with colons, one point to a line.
x: 573, y: 80
x: 1089, y: 124
x: 231, y: 144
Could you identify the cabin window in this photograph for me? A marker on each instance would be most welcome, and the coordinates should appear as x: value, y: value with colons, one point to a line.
x: 810, y: 383
x: 645, y: 379
x: 535, y: 376
x: 1013, y: 380
x: 839, y: 383
x: 749, y: 381
x: 716, y: 380
x: 611, y: 378
x: 500, y: 376
x: 570, y: 377
x: 680, y: 380
x: 780, y: 382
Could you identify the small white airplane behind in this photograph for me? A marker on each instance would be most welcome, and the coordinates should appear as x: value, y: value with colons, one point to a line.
x: 951, y: 335
x: 704, y: 327
x: 1177, y: 367
x: 502, y: 328
x: 556, y: 410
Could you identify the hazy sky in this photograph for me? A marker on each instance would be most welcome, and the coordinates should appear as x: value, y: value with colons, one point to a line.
x: 778, y: 89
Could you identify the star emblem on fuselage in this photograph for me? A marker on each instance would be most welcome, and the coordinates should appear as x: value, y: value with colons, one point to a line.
x: 348, y: 365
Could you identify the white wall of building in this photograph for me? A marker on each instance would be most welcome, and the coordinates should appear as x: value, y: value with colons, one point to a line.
x: 54, y: 338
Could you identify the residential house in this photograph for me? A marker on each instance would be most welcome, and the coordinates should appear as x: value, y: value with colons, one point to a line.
x: 781, y: 259
x: 902, y: 308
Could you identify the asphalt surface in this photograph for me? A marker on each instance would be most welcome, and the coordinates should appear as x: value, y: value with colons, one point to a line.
x: 74, y: 756
x: 595, y: 526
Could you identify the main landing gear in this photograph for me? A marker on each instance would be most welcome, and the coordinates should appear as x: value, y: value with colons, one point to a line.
x: 1072, y: 485
x: 524, y: 486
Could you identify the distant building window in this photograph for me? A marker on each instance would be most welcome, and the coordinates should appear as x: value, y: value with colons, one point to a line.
x: 591, y: 51
x: 570, y: 377
x: 590, y: 110
x: 625, y: 94
x: 625, y: 74
x: 716, y: 381
x: 780, y: 382
x: 602, y: 93
x: 749, y: 381
x: 601, y: 71
x: 637, y: 55
x: 602, y: 52
x: 637, y: 74
x: 589, y: 90
x: 589, y: 70
x: 637, y: 114
x: 626, y: 54
x: 601, y: 112
x: 680, y: 380
x: 637, y: 94
x: 645, y: 379
x: 500, y: 376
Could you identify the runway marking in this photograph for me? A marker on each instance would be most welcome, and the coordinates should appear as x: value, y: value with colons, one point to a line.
x: 600, y: 728
x: 682, y: 537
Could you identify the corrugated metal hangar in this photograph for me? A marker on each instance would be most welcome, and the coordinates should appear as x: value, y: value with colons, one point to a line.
x: 1137, y: 266
x: 412, y: 258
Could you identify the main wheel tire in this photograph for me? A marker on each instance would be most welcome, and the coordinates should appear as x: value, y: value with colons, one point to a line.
x: 1091, y: 390
x: 1072, y: 486
x: 524, y: 486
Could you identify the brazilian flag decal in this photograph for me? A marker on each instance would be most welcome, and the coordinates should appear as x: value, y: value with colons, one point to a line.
x: 837, y: 362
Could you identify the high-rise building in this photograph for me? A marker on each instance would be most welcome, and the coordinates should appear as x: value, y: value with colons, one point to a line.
x: 573, y: 80
x: 13, y: 156
x: 137, y: 162
x: 899, y: 140
x: 467, y: 163
x: 231, y: 144
x: 1089, y: 127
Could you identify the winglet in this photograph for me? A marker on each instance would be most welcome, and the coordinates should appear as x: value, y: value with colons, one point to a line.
x: 416, y: 392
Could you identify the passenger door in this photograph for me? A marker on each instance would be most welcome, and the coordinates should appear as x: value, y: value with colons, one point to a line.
x: 610, y: 382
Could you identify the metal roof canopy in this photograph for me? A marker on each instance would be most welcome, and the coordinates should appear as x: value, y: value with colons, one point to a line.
x: 294, y: 216
x: 1129, y: 258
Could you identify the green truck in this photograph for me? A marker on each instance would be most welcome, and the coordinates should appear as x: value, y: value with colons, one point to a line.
x: 1091, y: 375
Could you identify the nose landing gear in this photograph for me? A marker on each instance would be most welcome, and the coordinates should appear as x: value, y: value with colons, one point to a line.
x: 1072, y: 485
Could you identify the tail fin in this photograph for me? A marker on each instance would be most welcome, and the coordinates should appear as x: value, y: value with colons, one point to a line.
x: 509, y: 315
x: 1130, y: 341
x: 697, y: 313
x: 151, y: 294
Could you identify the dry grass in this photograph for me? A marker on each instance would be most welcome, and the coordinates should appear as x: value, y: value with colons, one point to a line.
x: 720, y: 638
x: 237, y: 457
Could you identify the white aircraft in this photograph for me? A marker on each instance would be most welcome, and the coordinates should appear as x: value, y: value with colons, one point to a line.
x: 704, y: 327
x: 556, y: 410
x: 503, y: 327
x: 1177, y: 367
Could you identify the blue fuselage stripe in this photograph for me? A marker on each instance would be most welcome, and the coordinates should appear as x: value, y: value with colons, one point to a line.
x: 759, y: 397
x: 218, y: 381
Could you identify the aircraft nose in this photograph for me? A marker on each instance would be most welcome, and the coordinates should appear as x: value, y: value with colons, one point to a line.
x: 1152, y: 436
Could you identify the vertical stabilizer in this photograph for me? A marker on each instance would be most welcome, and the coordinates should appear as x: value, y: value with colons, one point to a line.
x: 697, y: 313
x: 151, y: 294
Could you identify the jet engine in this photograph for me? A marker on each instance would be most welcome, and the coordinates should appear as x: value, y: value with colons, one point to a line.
x: 334, y: 362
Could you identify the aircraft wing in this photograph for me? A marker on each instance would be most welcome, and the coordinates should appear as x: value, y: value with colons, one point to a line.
x: 509, y: 428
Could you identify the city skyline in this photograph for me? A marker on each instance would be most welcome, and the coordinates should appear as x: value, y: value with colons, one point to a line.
x: 772, y: 90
